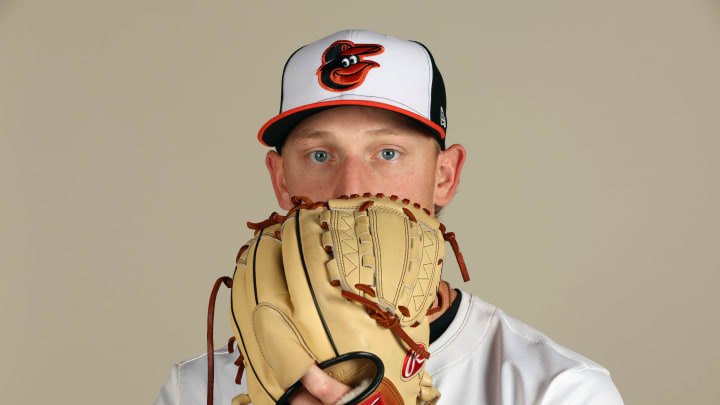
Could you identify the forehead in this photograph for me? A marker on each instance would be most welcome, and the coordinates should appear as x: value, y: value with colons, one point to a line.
x: 351, y: 122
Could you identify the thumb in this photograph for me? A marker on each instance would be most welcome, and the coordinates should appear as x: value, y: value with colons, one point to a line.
x: 322, y: 386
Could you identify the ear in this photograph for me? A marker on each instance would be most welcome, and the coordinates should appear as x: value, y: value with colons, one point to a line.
x: 274, y: 163
x: 447, y: 174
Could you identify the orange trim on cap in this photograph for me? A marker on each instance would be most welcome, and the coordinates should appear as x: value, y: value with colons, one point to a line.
x: 384, y: 106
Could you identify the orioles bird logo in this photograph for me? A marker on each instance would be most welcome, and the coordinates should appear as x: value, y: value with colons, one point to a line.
x: 344, y: 67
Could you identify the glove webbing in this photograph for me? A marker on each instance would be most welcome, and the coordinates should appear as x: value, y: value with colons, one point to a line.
x: 306, y: 203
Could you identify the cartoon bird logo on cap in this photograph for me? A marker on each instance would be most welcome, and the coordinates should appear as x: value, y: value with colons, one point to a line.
x: 344, y: 67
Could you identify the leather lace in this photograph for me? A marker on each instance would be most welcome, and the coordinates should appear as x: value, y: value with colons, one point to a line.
x: 386, y: 319
x: 210, y: 346
x: 450, y: 237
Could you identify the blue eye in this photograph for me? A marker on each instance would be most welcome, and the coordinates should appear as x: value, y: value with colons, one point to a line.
x: 319, y: 156
x: 389, y: 154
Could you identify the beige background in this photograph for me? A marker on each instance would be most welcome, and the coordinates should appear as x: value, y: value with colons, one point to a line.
x: 128, y: 162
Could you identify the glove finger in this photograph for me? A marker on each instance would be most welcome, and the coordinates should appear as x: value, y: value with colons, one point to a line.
x: 258, y: 281
x: 281, y: 345
x: 241, y: 399
x: 428, y: 393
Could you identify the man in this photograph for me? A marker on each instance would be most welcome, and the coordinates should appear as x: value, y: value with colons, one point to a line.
x: 362, y: 112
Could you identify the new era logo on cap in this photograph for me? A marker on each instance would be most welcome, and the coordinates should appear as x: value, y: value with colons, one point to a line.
x: 360, y: 68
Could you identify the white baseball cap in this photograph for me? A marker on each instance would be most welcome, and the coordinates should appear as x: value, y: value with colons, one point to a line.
x: 358, y: 67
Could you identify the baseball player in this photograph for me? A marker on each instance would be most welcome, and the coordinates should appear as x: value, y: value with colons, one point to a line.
x: 364, y: 112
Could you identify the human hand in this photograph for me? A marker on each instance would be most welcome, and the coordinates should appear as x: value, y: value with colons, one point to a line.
x: 319, y: 389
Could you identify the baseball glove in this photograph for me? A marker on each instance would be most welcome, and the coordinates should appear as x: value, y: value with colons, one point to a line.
x: 346, y: 284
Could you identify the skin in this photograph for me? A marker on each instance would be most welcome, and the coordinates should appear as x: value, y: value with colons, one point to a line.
x: 353, y: 150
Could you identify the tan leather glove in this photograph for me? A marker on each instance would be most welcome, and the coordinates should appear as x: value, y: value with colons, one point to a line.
x: 346, y: 284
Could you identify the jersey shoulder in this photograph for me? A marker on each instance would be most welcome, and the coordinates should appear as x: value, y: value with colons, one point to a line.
x: 553, y: 373
x: 513, y: 362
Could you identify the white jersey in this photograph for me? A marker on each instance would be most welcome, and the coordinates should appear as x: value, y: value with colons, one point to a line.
x: 483, y: 357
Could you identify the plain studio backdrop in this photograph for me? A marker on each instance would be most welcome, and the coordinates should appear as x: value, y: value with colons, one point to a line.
x: 129, y: 165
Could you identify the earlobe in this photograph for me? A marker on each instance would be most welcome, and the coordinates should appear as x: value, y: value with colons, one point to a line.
x: 274, y: 163
x: 449, y: 166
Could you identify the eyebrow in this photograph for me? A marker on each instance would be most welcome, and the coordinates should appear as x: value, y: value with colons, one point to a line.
x: 310, y: 134
x: 302, y: 135
x: 385, y: 131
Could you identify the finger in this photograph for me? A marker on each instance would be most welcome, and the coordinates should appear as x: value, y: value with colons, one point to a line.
x: 322, y: 386
x: 302, y: 397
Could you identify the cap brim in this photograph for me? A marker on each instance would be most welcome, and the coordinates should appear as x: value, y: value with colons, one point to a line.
x: 274, y: 132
